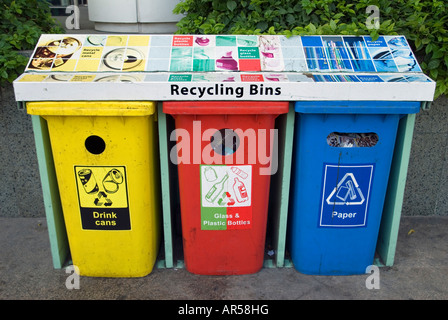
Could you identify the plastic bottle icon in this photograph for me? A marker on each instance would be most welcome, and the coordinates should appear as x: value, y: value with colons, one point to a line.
x: 216, y: 189
x: 240, y: 191
x: 239, y: 172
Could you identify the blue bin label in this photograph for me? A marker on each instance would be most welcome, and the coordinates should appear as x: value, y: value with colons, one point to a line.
x: 345, y: 195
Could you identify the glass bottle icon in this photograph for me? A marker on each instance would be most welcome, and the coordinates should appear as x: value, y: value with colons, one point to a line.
x: 216, y: 189
x: 210, y: 174
x: 240, y: 191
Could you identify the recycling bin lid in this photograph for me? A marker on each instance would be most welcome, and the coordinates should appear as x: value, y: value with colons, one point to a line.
x: 358, y: 107
x: 91, y: 108
x: 225, y: 107
x: 74, y: 67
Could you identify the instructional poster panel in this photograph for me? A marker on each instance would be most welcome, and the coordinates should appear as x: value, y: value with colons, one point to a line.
x: 222, y: 53
x: 103, y: 197
x: 226, y: 197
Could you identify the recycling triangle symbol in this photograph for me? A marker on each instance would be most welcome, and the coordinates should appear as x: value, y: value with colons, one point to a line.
x: 347, y: 192
x: 102, y: 199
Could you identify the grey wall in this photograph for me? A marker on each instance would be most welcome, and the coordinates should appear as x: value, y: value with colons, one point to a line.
x: 426, y: 190
x: 20, y: 190
x: 21, y: 193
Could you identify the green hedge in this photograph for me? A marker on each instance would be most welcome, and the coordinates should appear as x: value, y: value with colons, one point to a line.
x: 424, y: 23
x: 21, y: 24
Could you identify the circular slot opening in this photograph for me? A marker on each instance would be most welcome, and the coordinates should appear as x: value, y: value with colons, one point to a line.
x: 225, y: 141
x: 95, y: 145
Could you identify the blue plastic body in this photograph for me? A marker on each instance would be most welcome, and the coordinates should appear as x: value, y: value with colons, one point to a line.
x: 338, y: 192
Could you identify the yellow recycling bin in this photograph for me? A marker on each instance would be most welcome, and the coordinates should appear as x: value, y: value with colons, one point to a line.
x: 107, y: 173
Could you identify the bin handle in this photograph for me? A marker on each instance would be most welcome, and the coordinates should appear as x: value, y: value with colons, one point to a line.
x: 91, y: 108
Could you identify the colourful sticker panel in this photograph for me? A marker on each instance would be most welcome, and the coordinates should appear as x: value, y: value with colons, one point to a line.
x: 223, y: 53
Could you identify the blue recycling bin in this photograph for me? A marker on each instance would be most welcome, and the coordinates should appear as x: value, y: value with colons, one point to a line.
x: 343, y: 153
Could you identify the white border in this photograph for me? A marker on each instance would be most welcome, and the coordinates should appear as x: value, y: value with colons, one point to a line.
x: 161, y: 91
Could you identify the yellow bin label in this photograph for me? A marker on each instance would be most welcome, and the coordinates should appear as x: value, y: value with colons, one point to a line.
x: 103, y: 197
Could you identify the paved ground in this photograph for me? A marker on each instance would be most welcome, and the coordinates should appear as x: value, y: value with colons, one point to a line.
x: 420, y: 272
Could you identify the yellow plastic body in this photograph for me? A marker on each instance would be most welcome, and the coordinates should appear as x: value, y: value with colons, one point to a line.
x: 110, y: 199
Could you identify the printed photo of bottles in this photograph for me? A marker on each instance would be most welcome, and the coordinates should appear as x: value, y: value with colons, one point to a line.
x: 359, y: 54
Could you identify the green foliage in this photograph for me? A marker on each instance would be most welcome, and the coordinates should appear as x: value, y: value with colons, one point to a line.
x: 423, y: 22
x: 427, y: 28
x: 22, y: 23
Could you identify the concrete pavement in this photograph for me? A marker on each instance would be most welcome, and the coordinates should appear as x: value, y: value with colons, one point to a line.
x: 420, y: 272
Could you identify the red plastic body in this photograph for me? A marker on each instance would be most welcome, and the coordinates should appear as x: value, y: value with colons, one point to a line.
x: 240, y: 249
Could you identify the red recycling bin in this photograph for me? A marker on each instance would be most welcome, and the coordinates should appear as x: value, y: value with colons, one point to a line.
x: 225, y: 155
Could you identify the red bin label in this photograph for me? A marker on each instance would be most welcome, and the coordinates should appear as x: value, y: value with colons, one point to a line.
x: 226, y: 197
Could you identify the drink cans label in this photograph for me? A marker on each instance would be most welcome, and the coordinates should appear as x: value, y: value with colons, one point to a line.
x: 103, y: 197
